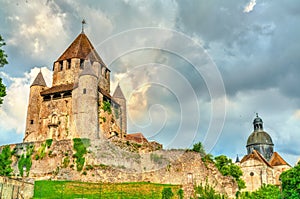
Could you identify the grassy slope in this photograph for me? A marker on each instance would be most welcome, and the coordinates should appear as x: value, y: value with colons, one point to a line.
x: 71, y: 189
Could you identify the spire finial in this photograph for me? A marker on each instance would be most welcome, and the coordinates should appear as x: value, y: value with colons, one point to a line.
x: 256, y: 114
x: 82, y: 23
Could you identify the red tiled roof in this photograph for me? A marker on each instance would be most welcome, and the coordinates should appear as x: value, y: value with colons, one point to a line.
x: 277, y: 160
x: 137, y: 137
x: 81, y: 48
x: 58, y: 89
x: 257, y: 156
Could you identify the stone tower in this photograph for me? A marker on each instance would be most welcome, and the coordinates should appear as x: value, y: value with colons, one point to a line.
x: 71, y: 107
x: 120, y: 99
x: 260, y: 140
x: 34, y: 105
x: 85, y: 103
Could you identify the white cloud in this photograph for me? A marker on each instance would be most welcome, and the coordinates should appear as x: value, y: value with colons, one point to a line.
x: 250, y: 6
x: 38, y: 28
x: 14, y: 108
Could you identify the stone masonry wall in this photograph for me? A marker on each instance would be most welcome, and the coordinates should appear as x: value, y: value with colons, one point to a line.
x: 105, y: 162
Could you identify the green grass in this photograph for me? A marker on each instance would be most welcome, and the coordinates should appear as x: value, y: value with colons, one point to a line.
x: 73, y: 189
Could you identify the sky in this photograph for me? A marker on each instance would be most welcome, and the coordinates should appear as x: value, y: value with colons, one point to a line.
x: 190, y: 70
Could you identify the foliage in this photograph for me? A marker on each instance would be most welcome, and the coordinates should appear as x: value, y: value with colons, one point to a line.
x: 265, y: 192
x: 198, y: 147
x: 167, y: 193
x: 227, y: 168
x: 106, y: 106
x: 5, y: 161
x: 80, y: 146
x: 49, y: 143
x: 208, y: 158
x: 207, y: 192
x: 3, y: 56
x: 290, y: 182
x: 2, y: 91
x: 72, y: 189
x: 3, y: 61
x: 180, y: 194
x: 25, y: 160
x: 156, y: 158
x: 66, y: 162
x: 41, y: 152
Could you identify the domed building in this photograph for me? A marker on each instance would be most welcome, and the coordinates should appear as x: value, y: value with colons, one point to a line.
x: 260, y: 140
x: 261, y: 165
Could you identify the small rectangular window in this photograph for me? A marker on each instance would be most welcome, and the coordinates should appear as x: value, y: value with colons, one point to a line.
x: 31, y: 121
x: 61, y: 66
x: 69, y: 64
x: 81, y: 63
x: 84, y: 91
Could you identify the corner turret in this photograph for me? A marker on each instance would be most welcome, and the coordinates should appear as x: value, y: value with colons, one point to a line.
x: 34, y: 106
x: 120, y: 99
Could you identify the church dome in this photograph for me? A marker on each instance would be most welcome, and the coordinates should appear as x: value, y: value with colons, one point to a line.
x: 260, y: 140
x: 259, y: 137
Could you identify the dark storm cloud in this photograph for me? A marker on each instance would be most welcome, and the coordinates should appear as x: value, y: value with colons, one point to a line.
x: 257, y: 50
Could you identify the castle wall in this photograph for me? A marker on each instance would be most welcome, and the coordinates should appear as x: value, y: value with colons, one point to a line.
x: 111, y: 164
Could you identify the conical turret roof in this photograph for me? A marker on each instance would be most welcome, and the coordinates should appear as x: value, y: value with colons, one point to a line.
x: 81, y: 48
x: 118, y: 93
x: 39, y: 80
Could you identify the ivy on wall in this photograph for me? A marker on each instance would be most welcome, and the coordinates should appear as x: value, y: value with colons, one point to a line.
x: 80, y: 146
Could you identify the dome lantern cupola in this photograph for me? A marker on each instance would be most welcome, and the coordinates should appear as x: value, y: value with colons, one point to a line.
x: 257, y: 123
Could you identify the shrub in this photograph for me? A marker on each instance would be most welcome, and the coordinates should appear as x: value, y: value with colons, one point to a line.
x: 5, y: 161
x: 167, y: 193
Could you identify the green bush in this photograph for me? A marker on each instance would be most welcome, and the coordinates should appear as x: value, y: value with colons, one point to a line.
x: 5, y: 161
x: 106, y: 106
x: 167, y: 193
x: 49, y: 143
x: 205, y: 192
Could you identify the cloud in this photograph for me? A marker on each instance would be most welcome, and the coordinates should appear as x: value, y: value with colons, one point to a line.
x: 250, y: 6
x: 13, y: 110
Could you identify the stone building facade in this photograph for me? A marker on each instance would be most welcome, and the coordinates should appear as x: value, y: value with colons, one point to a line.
x: 261, y: 165
x: 72, y: 106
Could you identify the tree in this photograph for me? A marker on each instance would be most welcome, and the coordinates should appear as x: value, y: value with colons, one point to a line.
x: 3, y: 61
x: 264, y: 192
x: 5, y: 161
x: 227, y: 168
x: 198, y: 147
x: 290, y: 182
x: 207, y: 192
x: 167, y: 193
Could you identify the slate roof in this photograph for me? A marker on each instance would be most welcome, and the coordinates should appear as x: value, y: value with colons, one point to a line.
x: 277, y: 160
x: 257, y: 156
x: 118, y: 93
x: 39, y: 80
x: 259, y: 137
x: 58, y: 89
x: 81, y: 48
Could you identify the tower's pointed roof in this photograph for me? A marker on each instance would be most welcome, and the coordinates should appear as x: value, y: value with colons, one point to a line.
x: 81, y: 48
x: 118, y: 93
x: 39, y: 80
